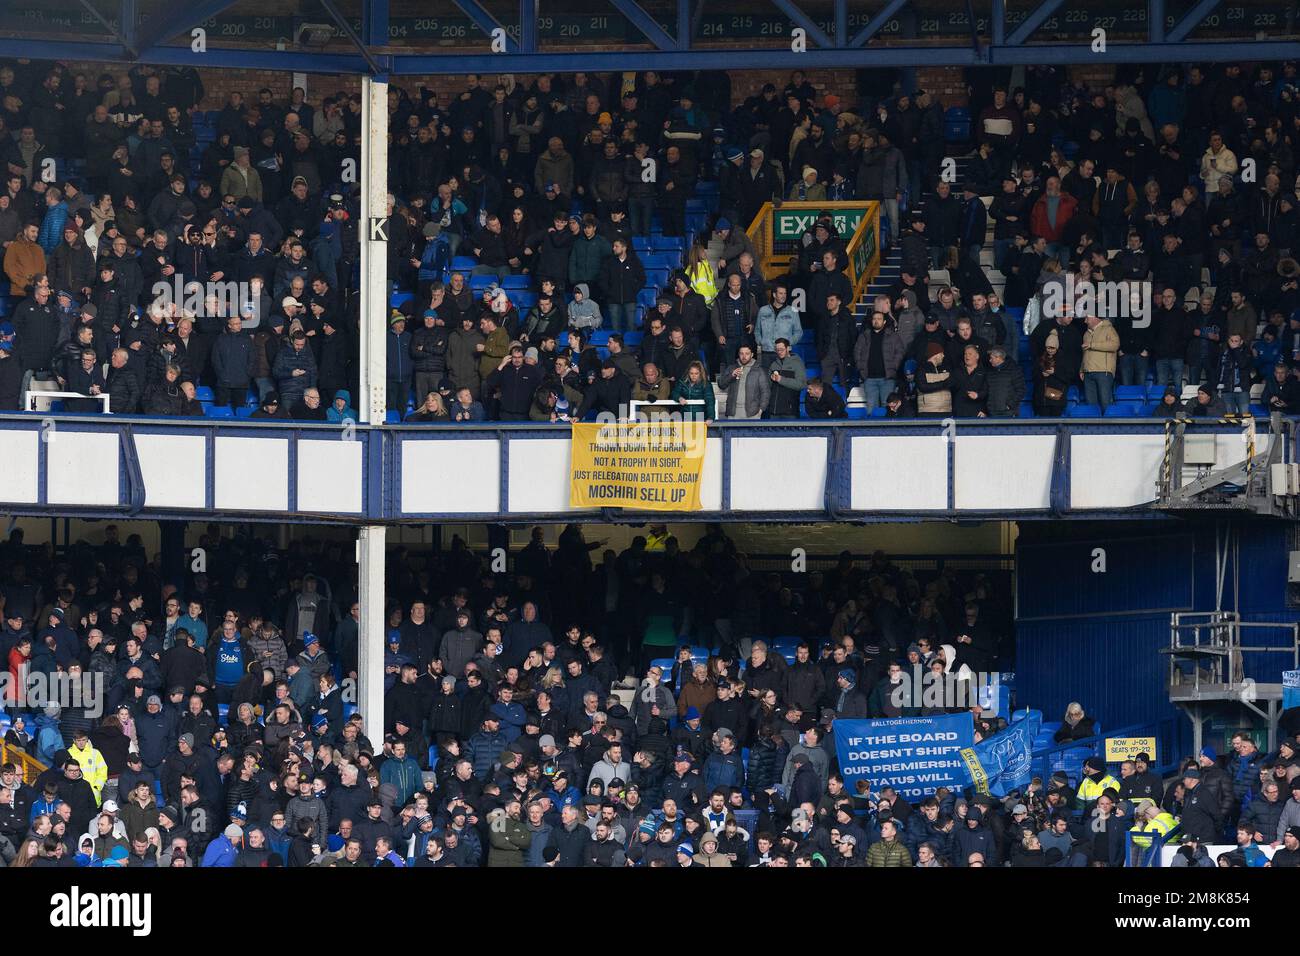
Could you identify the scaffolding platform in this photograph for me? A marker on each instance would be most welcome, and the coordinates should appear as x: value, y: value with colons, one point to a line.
x: 1206, y: 667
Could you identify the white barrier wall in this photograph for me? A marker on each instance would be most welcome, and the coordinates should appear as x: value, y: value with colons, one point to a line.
x: 440, y: 473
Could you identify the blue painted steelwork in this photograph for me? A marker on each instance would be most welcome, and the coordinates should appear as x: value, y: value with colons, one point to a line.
x: 522, y: 47
x: 158, y: 30
x: 1187, y: 24
x: 802, y: 20
x: 645, y: 23
x: 1034, y: 21
x: 380, y: 469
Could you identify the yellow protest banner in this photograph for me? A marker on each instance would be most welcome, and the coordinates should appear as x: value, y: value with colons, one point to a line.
x: 1126, y: 748
x: 646, y: 466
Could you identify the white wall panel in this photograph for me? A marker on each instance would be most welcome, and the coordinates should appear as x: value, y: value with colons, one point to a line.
x: 778, y: 474
x: 539, y: 475
x: 899, y: 473
x: 252, y: 474
x: 1003, y: 472
x: 453, y: 476
x: 1114, y: 471
x: 174, y: 469
x: 19, y: 479
x: 711, y: 476
x: 329, y: 476
x: 82, y: 468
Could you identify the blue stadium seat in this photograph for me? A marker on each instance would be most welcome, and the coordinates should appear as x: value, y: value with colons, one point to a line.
x: 662, y: 260
x: 647, y: 297
x: 1125, y: 410
x: 523, y: 299
x: 656, y: 279
x: 392, y: 417
x: 244, y: 411
x: 858, y: 412
x: 1083, y: 411
x: 517, y: 282
x: 663, y: 662
x: 956, y: 124
x: 632, y: 339
x: 463, y: 263
x: 1131, y: 393
x: 478, y: 283
x: 219, y: 411
x: 399, y: 299
x: 204, y: 393
x: 223, y: 714
x: 641, y: 244
x: 668, y: 243
x: 599, y: 337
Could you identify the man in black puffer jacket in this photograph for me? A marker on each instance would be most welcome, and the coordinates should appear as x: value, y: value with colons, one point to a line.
x: 429, y: 352
x: 1006, y: 384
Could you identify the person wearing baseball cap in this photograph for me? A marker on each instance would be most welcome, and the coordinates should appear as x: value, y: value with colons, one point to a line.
x: 1202, y: 815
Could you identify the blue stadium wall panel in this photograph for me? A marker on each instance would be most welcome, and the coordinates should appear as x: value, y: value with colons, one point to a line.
x: 1095, y: 637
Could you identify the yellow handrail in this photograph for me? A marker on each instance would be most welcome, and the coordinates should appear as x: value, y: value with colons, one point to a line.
x: 864, y: 252
x: 863, y: 246
x: 31, y: 767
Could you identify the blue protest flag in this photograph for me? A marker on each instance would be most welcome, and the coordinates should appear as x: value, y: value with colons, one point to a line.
x: 1004, y: 762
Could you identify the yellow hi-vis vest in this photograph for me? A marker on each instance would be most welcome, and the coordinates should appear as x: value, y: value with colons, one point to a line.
x: 1161, y: 824
x: 1091, y: 788
x: 702, y: 281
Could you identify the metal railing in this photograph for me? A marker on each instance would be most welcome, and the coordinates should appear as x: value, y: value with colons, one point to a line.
x: 1137, y: 855
x: 777, y: 231
x: 31, y: 399
x: 1164, y: 731
x: 1214, y: 638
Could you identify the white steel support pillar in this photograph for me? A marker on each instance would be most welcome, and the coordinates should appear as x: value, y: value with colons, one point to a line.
x: 370, y: 635
x: 372, y: 328
x: 373, y: 234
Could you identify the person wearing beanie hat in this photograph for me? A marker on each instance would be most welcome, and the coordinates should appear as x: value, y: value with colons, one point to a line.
x: 849, y: 701
x: 807, y: 188
x: 685, y: 855
x: 1216, y: 782
x: 1095, y: 781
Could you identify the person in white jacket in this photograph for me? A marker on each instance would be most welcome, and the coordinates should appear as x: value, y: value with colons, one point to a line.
x: 1217, y: 161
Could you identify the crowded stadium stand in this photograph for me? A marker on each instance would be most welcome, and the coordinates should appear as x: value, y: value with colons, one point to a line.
x: 980, y: 330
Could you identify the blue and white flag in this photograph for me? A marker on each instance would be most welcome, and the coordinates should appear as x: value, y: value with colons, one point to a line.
x: 1004, y: 762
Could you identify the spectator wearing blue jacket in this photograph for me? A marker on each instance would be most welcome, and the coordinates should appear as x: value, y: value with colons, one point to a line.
x: 485, y: 746
x: 1245, y: 767
x: 511, y: 715
x: 56, y: 214
x: 402, y: 772
x: 723, y: 768
x: 224, y: 850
